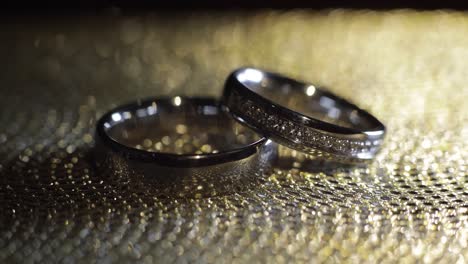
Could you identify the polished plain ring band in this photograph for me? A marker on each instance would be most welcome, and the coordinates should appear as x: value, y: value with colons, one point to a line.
x: 302, y: 116
x: 234, y: 154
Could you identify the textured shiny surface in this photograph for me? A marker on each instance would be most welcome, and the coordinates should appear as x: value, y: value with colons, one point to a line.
x: 409, y: 205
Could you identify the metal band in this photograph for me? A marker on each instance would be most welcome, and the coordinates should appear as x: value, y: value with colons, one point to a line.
x: 241, y: 155
x: 302, y: 116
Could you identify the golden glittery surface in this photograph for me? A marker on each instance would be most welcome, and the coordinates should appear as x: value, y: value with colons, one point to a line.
x: 408, y: 68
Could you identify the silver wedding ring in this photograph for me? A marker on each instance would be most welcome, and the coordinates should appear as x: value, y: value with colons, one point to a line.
x: 302, y: 116
x: 187, y: 146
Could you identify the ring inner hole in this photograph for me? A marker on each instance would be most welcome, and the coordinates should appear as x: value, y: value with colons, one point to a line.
x: 185, y: 129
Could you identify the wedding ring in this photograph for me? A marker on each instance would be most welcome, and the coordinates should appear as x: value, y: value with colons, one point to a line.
x: 302, y: 116
x: 186, y: 146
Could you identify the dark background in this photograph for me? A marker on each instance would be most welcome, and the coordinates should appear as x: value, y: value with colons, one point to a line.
x: 51, y: 7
